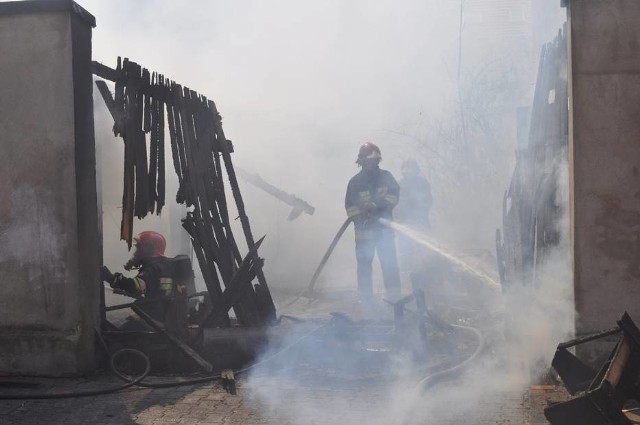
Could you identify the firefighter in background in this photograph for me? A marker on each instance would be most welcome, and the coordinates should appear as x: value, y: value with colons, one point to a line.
x: 415, y: 206
x: 372, y: 194
x: 159, y: 278
x: 413, y: 211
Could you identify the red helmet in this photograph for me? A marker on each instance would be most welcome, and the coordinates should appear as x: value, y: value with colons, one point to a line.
x: 150, y: 244
x: 368, y: 151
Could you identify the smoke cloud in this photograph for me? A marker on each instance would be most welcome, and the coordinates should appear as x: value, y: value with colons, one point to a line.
x: 300, y: 86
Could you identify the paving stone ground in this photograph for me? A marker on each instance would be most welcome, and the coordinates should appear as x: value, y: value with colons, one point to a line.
x: 306, y: 399
x: 283, y: 403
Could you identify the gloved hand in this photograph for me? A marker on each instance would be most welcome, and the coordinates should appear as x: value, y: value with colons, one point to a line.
x: 371, y: 208
x: 106, y: 275
x: 131, y: 264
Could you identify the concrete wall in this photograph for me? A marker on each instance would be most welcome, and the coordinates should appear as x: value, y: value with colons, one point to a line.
x: 49, y: 246
x: 605, y: 160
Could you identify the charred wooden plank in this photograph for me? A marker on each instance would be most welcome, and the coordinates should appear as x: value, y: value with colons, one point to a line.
x: 203, y: 160
x: 173, y: 140
x: 184, y: 196
x: 206, y: 262
x: 112, y: 105
x: 241, y: 278
x: 199, y: 150
x: 161, y: 162
x: 128, y: 193
x: 269, y: 309
x: 107, y: 73
x: 119, y: 125
x: 139, y: 142
x: 206, y: 225
x: 145, y: 90
x: 107, y: 97
x: 156, y: 125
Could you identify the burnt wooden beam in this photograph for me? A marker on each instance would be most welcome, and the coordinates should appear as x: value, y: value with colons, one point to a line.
x: 109, y: 101
x: 129, y: 125
x: 107, y: 73
x: 160, y: 186
x: 267, y: 307
x: 241, y: 278
x: 200, y: 152
x: 119, y: 76
x: 150, y: 301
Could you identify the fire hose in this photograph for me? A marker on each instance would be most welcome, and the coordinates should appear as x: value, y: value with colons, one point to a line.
x: 430, y: 380
x: 327, y: 254
x: 424, y: 384
x: 129, y: 382
x: 325, y: 258
x: 138, y: 380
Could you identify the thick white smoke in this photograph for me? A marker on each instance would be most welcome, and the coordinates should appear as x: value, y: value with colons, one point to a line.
x: 300, y: 86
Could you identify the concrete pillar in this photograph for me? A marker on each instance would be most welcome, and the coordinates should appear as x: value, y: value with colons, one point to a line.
x: 605, y: 160
x: 49, y: 245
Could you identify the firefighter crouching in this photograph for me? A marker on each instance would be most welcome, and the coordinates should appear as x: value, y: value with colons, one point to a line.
x: 160, y: 279
x: 372, y: 194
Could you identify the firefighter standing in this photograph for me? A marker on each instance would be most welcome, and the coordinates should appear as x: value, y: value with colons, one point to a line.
x: 413, y: 211
x: 372, y: 194
x: 414, y: 207
x: 159, y: 278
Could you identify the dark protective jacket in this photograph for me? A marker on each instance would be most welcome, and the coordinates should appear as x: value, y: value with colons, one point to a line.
x: 157, y: 278
x: 371, y: 194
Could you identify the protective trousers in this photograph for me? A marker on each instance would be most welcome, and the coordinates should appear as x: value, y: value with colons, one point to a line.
x: 380, y: 241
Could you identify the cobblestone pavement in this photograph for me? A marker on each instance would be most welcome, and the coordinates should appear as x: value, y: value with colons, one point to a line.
x: 296, y: 398
x: 291, y: 404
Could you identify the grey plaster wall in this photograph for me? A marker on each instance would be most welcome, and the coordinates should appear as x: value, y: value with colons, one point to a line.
x: 605, y: 160
x: 49, y: 248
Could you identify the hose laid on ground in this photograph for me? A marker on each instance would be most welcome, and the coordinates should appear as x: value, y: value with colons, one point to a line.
x: 424, y: 384
x: 129, y: 382
x: 137, y: 381
x: 430, y: 380
x: 325, y: 258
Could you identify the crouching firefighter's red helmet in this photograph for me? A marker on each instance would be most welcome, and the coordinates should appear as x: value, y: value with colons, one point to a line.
x: 148, y: 244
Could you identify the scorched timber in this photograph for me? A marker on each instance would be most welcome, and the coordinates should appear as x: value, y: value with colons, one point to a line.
x: 199, y: 152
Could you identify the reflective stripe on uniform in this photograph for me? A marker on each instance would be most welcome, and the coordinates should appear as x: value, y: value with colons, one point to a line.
x: 364, y: 196
x: 392, y: 199
x: 166, y: 285
x: 353, y: 211
x: 141, y: 286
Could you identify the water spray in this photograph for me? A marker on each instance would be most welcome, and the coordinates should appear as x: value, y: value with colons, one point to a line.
x: 426, y: 242
x: 408, y: 232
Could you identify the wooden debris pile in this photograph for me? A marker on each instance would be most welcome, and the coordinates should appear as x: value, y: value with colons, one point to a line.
x: 144, y: 106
